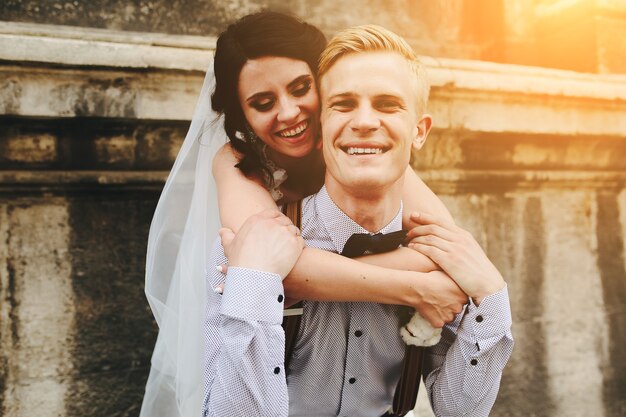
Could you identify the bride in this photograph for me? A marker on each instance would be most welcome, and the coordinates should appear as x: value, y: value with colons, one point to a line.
x: 254, y: 144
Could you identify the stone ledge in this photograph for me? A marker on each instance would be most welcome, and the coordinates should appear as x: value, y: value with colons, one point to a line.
x: 75, y: 46
x: 100, y: 66
x: 528, y: 178
x: 458, y: 74
x: 440, y: 180
x: 33, y: 91
x: 13, y: 181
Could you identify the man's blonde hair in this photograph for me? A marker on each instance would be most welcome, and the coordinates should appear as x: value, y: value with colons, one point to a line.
x: 374, y: 38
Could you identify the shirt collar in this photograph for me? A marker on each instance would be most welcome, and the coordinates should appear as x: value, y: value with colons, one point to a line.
x: 342, y: 225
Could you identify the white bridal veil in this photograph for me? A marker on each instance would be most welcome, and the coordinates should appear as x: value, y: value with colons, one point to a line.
x: 184, y: 224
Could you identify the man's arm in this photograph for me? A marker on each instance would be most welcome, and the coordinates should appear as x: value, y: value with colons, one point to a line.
x: 244, y: 342
x: 244, y: 360
x: 462, y: 372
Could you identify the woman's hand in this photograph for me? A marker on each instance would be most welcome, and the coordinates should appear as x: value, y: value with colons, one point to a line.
x: 267, y: 241
x: 457, y: 253
x: 436, y: 297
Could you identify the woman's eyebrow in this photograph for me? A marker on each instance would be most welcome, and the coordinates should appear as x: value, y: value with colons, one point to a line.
x: 260, y: 94
x: 298, y: 80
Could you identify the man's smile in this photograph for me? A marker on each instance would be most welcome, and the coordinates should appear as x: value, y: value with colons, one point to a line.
x: 363, y: 151
x: 364, y: 148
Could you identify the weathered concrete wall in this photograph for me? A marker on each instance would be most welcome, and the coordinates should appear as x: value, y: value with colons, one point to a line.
x: 582, y: 35
x: 76, y: 334
x: 530, y: 160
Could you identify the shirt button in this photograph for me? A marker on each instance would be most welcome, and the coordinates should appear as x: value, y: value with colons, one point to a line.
x: 352, y: 380
x: 277, y: 370
x: 479, y: 318
x: 358, y: 333
x: 474, y: 362
x: 280, y: 298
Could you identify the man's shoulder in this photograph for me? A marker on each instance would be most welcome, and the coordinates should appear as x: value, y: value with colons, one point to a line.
x: 313, y: 227
x: 308, y: 201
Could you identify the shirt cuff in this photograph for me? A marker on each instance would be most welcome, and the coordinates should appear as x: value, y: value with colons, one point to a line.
x: 491, y: 318
x: 253, y: 295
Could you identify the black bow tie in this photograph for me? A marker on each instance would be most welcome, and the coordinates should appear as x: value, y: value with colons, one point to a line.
x: 359, y: 243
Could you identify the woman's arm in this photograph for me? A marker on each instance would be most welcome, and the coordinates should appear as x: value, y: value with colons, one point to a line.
x: 238, y: 197
x: 323, y: 276
x: 416, y: 196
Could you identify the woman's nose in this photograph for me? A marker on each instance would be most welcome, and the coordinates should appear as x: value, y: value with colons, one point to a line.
x: 288, y: 111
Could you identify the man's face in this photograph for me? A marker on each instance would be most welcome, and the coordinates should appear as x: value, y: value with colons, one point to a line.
x: 369, y: 120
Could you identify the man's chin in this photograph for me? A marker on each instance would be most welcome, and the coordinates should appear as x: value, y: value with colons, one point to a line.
x: 366, y: 185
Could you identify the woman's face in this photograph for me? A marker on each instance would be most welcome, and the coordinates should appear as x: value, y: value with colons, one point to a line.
x: 279, y: 100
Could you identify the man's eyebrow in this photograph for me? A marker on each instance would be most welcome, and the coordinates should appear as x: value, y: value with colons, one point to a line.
x: 341, y: 95
x: 296, y: 81
x: 389, y: 97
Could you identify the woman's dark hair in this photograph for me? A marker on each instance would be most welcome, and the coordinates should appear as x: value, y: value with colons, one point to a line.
x: 254, y: 36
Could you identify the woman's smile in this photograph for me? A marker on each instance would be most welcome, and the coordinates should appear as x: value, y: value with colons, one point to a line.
x: 279, y: 99
x: 294, y: 132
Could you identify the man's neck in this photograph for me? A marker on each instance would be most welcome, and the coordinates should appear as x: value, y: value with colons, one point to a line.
x: 371, y: 208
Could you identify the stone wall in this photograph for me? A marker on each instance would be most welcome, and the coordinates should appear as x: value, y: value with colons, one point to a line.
x: 530, y: 160
x: 581, y: 35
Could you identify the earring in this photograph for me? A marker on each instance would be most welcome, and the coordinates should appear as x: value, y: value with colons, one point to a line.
x: 250, y: 136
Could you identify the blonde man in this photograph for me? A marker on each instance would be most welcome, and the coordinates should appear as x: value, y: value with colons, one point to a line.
x: 349, y: 356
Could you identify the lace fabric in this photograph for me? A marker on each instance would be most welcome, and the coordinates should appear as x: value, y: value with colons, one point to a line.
x: 278, y: 175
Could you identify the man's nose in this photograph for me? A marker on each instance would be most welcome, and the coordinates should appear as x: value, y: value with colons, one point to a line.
x: 288, y: 110
x: 365, y: 120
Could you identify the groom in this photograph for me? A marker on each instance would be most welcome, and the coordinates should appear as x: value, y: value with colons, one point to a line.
x: 348, y: 356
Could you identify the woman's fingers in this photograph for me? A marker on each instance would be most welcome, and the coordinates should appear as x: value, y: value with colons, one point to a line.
x: 432, y: 240
x: 430, y: 229
x: 426, y: 218
x: 433, y: 252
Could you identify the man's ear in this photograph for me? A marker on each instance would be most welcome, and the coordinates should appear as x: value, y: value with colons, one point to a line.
x: 421, y: 131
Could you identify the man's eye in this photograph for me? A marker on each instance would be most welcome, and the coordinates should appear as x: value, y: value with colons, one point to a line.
x: 342, y: 105
x: 302, y: 89
x: 388, y: 105
x: 262, y: 105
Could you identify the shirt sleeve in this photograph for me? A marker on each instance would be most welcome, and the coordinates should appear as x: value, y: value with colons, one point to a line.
x: 244, y: 345
x: 462, y: 372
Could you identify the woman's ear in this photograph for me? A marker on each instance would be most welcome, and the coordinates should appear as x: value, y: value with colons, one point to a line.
x: 422, y: 129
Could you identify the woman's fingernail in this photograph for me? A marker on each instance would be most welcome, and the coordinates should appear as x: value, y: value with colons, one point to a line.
x: 218, y: 290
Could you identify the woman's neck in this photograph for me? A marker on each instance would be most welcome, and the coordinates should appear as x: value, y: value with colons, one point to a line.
x: 305, y: 175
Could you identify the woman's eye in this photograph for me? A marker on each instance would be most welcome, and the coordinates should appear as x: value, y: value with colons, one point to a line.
x: 262, y: 105
x: 302, y: 89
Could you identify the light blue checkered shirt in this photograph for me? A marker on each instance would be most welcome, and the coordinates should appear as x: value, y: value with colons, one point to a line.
x: 347, y: 359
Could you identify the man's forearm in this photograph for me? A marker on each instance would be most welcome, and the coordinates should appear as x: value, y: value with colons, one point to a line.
x: 244, y: 344
x: 462, y: 373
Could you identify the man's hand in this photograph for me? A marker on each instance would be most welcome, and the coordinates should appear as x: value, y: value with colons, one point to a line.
x: 439, y: 298
x: 456, y: 251
x: 267, y: 241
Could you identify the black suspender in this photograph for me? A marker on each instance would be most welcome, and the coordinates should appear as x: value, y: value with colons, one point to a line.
x: 408, y: 385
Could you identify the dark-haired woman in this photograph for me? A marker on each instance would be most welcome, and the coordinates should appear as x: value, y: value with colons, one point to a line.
x: 266, y: 94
